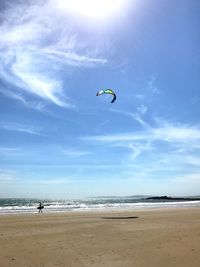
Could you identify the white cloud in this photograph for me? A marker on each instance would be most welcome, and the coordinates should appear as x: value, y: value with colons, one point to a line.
x: 137, y: 116
x: 7, y: 175
x: 151, y: 85
x: 167, y: 132
x: 188, y: 178
x: 193, y: 160
x: 177, y: 133
x: 34, y: 46
x: 167, y: 145
x: 52, y: 181
x: 19, y: 128
x: 36, y: 105
x: 139, y: 96
x: 75, y: 153
x: 74, y: 59
x: 10, y: 151
x: 101, y: 125
x: 189, y: 183
x: 142, y: 109
x: 39, y: 85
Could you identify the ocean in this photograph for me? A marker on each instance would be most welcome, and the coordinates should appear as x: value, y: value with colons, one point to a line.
x: 26, y: 206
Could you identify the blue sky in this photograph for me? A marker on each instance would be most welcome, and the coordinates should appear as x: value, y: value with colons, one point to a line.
x: 57, y: 139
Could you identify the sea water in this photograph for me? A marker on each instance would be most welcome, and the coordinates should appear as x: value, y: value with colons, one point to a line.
x: 25, y: 206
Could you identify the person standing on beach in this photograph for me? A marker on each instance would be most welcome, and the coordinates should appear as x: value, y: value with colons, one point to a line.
x: 40, y: 207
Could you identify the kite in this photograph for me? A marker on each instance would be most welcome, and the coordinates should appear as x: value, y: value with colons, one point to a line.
x: 107, y: 91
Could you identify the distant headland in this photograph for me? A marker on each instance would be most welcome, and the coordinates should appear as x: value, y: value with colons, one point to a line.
x: 163, y: 198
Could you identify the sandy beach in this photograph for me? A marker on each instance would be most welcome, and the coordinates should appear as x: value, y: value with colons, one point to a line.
x: 168, y: 237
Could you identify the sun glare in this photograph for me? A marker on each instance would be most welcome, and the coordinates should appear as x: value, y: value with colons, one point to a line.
x: 92, y: 8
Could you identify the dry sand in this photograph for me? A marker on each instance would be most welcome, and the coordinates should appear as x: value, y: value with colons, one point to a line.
x: 156, y: 238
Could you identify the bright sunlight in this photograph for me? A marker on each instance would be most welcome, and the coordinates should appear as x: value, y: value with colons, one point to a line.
x: 92, y: 8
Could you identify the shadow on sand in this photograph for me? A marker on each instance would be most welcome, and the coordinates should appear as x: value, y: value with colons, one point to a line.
x: 120, y: 218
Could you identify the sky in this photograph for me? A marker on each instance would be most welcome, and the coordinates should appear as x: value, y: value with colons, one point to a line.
x: 58, y: 139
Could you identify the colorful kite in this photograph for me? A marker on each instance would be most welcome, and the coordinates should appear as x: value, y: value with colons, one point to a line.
x: 107, y: 91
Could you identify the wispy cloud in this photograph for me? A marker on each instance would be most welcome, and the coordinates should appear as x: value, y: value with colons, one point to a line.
x: 148, y: 93
x: 189, y: 178
x: 7, y: 175
x: 177, y: 132
x: 142, y: 109
x: 36, y: 105
x: 20, y: 128
x: 151, y: 84
x: 139, y: 96
x: 52, y: 181
x: 166, y: 145
x: 10, y: 151
x: 74, y: 59
x: 75, y: 153
x: 190, y: 182
x: 101, y: 125
x: 167, y: 132
x: 137, y: 116
x: 34, y: 50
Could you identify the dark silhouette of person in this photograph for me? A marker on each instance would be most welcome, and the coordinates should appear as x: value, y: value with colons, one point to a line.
x: 40, y: 207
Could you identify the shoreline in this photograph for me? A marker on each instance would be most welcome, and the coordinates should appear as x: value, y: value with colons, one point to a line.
x: 104, y: 210
x: 154, y: 238
x: 112, y: 208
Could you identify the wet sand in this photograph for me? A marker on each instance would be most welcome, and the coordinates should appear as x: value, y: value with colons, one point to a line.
x: 156, y: 238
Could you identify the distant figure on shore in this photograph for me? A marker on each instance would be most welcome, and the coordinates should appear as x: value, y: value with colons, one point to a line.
x: 40, y: 207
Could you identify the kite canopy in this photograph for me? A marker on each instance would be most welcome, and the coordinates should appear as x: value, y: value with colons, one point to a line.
x: 107, y: 91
